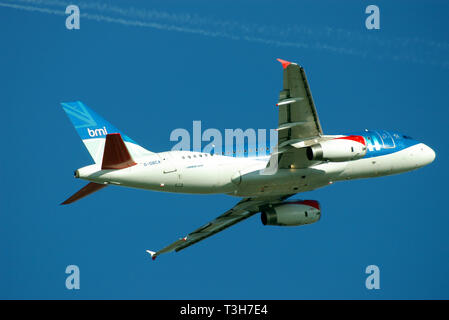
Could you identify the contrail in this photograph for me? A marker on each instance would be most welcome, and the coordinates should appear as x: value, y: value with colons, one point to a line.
x: 413, y: 50
x: 164, y: 26
x: 30, y: 8
x: 102, y: 18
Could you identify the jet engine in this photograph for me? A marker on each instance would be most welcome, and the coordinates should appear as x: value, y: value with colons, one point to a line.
x: 338, y: 149
x: 291, y: 213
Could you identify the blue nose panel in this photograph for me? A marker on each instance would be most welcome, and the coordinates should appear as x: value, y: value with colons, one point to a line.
x: 381, y: 142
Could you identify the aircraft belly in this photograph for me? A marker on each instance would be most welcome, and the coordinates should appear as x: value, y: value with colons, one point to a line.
x: 286, y: 181
x: 205, y: 179
x: 397, y: 162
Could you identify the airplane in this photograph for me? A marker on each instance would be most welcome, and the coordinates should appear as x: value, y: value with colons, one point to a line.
x: 303, y: 159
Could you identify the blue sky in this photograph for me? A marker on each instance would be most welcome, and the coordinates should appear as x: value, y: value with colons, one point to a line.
x: 150, y: 67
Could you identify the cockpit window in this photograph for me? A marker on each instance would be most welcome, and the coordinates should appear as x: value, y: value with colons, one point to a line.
x: 407, y: 137
x: 387, y: 139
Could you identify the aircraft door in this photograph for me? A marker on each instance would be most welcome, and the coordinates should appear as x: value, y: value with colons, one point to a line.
x: 171, y: 172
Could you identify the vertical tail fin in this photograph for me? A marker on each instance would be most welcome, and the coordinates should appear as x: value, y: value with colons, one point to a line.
x: 116, y: 155
x: 93, y: 129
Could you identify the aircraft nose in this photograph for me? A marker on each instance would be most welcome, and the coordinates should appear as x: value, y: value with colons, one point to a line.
x: 428, y: 154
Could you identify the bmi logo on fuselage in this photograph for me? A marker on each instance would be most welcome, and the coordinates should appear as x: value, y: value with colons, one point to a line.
x: 97, y: 132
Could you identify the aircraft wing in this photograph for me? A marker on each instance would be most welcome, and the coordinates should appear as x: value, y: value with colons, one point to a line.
x: 299, y: 125
x: 242, y: 210
x: 298, y: 119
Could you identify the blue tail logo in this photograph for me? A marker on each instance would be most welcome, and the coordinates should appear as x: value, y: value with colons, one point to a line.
x: 89, y: 124
x: 93, y: 130
x: 97, y: 132
x: 79, y: 115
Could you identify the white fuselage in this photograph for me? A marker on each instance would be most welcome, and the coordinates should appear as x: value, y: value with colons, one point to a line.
x: 201, y: 173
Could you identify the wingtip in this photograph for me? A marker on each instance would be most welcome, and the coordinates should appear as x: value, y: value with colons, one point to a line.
x: 284, y: 63
x: 152, y: 254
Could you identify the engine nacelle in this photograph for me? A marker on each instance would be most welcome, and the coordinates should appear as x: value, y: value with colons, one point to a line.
x: 291, y: 213
x: 338, y: 149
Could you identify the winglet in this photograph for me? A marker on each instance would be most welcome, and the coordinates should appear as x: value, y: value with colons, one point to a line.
x: 285, y: 64
x: 152, y: 254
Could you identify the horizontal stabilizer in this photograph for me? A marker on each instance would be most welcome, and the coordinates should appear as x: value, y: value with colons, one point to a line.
x: 85, y: 191
x: 116, y: 155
